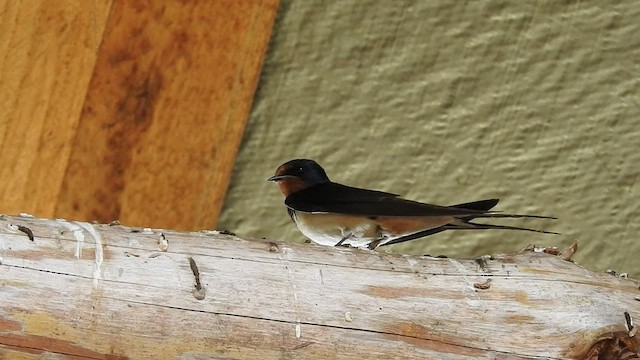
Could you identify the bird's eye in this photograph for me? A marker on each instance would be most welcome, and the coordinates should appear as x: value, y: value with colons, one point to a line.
x: 300, y: 171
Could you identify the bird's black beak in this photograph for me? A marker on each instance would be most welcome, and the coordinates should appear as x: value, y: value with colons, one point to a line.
x: 279, y: 178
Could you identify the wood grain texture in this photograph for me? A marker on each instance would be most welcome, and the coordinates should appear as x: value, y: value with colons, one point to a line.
x: 165, y: 111
x: 95, y: 291
x: 48, y: 51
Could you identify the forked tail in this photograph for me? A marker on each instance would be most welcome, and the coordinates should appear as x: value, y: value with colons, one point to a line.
x: 466, y: 224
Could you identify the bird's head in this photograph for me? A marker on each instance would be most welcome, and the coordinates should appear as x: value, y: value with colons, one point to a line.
x: 298, y: 174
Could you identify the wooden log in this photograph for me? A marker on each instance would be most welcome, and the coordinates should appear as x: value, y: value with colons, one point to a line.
x: 86, y: 291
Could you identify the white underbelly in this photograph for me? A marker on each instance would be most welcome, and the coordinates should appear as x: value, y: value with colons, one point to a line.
x: 323, y: 229
x: 357, y: 231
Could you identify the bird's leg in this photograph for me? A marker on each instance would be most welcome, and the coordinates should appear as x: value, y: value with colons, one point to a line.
x: 379, y: 237
x: 374, y: 244
x: 344, y: 237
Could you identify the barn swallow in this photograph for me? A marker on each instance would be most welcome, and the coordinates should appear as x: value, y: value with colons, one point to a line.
x: 333, y: 214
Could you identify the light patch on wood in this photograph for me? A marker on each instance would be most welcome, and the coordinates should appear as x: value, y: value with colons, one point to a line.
x: 522, y: 298
x: 518, y: 319
x: 38, y: 254
x: 394, y: 292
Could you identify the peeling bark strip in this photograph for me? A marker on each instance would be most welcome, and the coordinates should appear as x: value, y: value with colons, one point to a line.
x: 106, y: 292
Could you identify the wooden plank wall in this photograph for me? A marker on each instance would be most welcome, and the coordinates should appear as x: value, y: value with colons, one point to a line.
x: 126, y: 109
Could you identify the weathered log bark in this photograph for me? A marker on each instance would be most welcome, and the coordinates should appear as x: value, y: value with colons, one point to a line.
x: 83, y: 291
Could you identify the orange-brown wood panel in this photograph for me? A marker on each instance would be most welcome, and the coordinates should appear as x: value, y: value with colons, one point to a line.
x: 165, y: 111
x: 48, y: 51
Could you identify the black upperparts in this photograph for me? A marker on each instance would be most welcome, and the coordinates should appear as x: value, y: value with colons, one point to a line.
x: 332, y: 197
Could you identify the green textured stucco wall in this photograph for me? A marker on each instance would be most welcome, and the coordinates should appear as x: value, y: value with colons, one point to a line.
x: 537, y: 103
